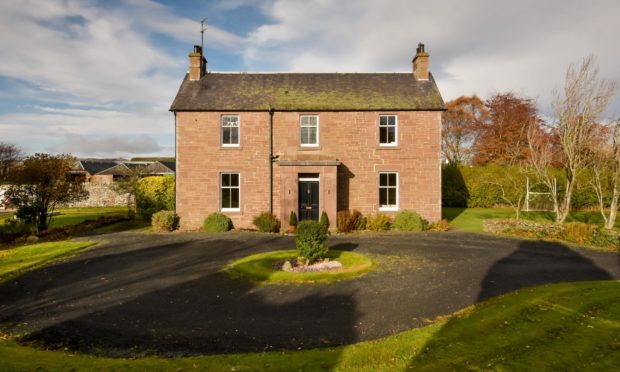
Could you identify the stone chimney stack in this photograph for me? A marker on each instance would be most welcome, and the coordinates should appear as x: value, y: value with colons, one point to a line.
x: 197, y: 64
x: 420, y: 63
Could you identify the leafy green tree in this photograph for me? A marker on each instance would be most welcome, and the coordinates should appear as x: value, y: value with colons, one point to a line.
x: 42, y: 183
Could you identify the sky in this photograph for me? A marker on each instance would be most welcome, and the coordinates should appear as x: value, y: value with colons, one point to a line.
x: 96, y: 78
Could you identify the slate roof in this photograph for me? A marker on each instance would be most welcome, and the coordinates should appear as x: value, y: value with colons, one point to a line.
x: 308, y: 91
x: 95, y: 166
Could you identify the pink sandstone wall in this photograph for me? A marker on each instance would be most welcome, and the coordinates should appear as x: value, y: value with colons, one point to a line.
x: 350, y: 137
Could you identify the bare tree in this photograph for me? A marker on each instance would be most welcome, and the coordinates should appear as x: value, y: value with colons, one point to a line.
x: 577, y: 109
x: 10, y: 155
x: 605, y: 167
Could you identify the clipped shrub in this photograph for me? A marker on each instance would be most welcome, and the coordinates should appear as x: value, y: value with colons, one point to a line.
x: 324, y: 221
x: 164, y: 221
x: 267, y: 222
x: 407, y: 220
x: 348, y: 221
x: 154, y: 194
x: 292, y: 220
x: 379, y: 222
x: 442, y: 225
x: 217, y: 222
x: 310, y: 240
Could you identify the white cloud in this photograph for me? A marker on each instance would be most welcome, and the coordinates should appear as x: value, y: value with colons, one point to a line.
x: 476, y: 46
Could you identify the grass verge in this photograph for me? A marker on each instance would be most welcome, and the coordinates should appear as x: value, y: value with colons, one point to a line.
x: 568, y: 326
x: 470, y: 219
x: 258, y: 268
x: 16, y: 261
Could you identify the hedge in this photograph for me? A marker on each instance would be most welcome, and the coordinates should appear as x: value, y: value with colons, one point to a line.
x: 471, y: 187
x: 154, y: 194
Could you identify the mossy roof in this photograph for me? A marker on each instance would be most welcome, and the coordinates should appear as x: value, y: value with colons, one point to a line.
x: 307, y: 92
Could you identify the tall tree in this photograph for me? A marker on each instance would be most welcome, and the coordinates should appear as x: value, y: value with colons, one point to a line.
x: 502, y: 139
x: 40, y: 184
x: 459, y: 124
x: 577, y: 109
x: 10, y: 155
x: 605, y: 167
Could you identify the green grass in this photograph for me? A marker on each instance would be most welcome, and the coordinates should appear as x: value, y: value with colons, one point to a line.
x: 73, y: 216
x: 470, y: 219
x: 259, y: 269
x: 568, y: 326
x: 14, y: 262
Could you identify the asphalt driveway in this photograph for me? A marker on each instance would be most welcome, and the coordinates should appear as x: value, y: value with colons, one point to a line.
x: 164, y: 294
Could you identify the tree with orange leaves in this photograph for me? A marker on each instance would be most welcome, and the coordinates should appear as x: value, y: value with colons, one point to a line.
x: 459, y: 126
x: 503, y: 138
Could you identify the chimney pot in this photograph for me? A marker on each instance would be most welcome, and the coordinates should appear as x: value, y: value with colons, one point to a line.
x: 420, y: 63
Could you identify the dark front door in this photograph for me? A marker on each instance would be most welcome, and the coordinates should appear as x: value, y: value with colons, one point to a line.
x: 308, y: 200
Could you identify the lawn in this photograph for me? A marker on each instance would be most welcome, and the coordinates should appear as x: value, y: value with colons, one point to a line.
x: 73, y: 216
x: 568, y: 326
x: 14, y: 262
x: 470, y: 219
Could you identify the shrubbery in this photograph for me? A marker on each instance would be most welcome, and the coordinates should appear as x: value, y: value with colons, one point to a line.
x: 379, y: 222
x: 267, y: 222
x: 470, y: 187
x: 407, y: 220
x: 292, y: 220
x: 154, y: 194
x: 310, y: 240
x: 442, y: 225
x: 165, y: 221
x: 349, y: 221
x: 217, y: 222
x: 575, y: 232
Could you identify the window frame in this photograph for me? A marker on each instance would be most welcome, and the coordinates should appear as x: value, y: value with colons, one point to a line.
x: 318, y: 131
x: 238, y: 187
x: 395, y: 143
x: 238, y: 126
x: 389, y: 208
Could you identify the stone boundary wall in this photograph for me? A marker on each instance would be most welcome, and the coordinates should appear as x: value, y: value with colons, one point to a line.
x: 100, y: 195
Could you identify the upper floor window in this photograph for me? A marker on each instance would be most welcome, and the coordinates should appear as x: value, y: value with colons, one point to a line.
x: 230, y: 130
x: 229, y: 192
x: 309, y: 130
x: 388, y: 130
x: 388, y: 191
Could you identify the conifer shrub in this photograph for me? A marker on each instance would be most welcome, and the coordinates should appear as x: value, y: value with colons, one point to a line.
x: 310, y: 240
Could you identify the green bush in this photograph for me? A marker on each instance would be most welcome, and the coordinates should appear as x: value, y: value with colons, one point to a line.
x: 348, y: 221
x: 471, y: 187
x: 324, y: 221
x: 217, y: 222
x: 379, y: 222
x: 163, y: 221
x: 407, y: 220
x: 267, y: 222
x: 361, y: 224
x: 310, y: 240
x: 154, y: 194
x: 292, y: 220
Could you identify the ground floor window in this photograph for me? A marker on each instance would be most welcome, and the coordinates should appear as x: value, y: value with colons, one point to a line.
x: 388, y: 191
x: 229, y: 191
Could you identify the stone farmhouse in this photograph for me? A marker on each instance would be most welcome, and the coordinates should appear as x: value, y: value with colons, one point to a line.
x: 248, y: 143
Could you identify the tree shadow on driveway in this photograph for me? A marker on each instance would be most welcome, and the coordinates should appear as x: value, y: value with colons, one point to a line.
x: 533, y: 263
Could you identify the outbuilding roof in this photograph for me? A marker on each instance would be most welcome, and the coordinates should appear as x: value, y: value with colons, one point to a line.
x: 307, y: 92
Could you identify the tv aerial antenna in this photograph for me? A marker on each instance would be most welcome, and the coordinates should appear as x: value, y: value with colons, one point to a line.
x: 202, y: 32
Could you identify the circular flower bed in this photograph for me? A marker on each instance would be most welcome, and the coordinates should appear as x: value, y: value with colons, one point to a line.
x: 266, y: 268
